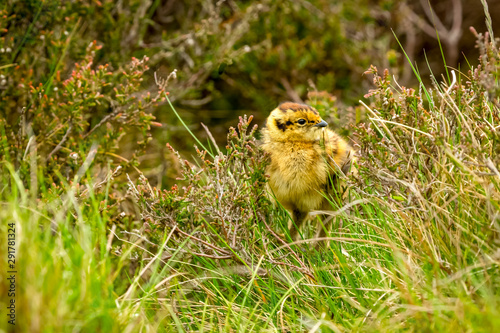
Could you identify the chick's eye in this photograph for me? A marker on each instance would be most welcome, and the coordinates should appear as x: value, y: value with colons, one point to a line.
x: 301, y: 121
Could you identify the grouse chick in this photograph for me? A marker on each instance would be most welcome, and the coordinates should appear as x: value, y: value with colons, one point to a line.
x: 306, y: 160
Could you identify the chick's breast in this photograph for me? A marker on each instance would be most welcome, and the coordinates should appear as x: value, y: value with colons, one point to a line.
x: 297, y: 174
x: 338, y: 152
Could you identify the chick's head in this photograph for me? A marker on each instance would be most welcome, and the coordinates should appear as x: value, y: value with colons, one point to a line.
x: 294, y: 122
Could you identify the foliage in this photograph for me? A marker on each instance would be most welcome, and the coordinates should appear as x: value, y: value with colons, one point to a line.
x: 414, y: 247
x: 223, y: 51
x: 46, y: 98
x: 223, y: 202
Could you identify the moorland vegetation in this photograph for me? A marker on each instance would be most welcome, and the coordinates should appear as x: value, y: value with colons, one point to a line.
x: 118, y: 231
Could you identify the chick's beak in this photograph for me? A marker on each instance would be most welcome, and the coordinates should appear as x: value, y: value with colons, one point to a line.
x: 321, y: 124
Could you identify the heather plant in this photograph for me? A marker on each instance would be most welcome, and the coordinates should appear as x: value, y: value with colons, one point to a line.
x: 429, y: 158
x: 80, y: 120
x: 40, y: 42
x: 220, y: 211
x: 413, y: 248
x: 225, y: 57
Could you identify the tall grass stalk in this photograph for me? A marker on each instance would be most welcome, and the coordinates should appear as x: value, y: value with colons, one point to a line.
x: 416, y: 248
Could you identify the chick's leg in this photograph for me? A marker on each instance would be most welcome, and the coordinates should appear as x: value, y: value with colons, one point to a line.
x: 298, y: 219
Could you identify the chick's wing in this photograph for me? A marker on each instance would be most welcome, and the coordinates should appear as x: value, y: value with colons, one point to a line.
x: 339, y: 153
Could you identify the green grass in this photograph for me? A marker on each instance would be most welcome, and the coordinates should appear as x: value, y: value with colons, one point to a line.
x: 402, y: 260
x: 415, y: 247
x: 376, y: 276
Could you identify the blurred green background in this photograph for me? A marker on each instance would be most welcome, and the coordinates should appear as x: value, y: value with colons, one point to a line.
x: 233, y: 57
